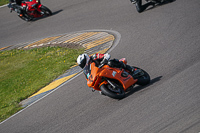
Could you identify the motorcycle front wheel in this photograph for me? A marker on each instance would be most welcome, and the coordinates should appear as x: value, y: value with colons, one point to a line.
x: 117, y: 93
x: 45, y: 11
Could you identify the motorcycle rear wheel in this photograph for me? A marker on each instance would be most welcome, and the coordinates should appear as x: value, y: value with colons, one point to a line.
x: 108, y: 92
x: 143, y: 79
x: 138, y: 6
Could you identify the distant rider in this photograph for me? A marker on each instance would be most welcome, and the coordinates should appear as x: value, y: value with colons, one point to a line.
x: 84, y: 59
x: 141, y: 7
x: 16, y: 5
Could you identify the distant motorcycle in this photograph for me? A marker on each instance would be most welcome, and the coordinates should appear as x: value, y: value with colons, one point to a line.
x: 31, y: 9
x: 113, y: 82
x: 140, y: 8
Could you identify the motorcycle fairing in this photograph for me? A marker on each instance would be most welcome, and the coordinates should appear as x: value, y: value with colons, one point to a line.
x: 125, y: 81
x: 90, y: 74
x: 32, y: 4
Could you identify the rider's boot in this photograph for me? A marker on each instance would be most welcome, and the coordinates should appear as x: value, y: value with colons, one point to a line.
x: 127, y: 67
x: 133, y: 1
x: 101, y: 93
x: 130, y: 68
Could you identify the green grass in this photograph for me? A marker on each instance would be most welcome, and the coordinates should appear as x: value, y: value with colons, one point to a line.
x: 3, y: 2
x: 23, y: 72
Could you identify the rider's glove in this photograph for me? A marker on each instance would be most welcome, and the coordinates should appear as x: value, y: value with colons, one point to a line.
x: 107, y: 56
x: 104, y: 61
x: 9, y: 5
x: 94, y: 56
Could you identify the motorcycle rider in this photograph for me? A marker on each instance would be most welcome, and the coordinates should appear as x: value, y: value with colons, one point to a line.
x: 141, y: 7
x: 16, y: 4
x: 99, y: 59
x: 84, y: 59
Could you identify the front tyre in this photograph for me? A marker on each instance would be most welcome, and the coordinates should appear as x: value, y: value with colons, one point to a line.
x: 45, y: 11
x: 107, y: 89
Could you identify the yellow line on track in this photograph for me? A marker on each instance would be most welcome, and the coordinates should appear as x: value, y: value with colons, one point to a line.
x: 101, y: 52
x: 4, y: 48
x: 74, y: 65
x: 45, y: 40
x: 98, y: 42
x: 54, y: 84
x: 81, y: 37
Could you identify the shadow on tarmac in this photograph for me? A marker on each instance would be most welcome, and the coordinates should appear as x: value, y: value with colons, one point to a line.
x: 138, y: 88
x: 53, y: 13
x: 161, y: 4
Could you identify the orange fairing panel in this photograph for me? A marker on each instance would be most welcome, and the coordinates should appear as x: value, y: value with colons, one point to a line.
x: 93, y: 75
x: 116, y: 74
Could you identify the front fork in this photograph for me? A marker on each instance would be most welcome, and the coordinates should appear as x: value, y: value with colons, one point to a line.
x: 113, y: 87
x: 109, y: 82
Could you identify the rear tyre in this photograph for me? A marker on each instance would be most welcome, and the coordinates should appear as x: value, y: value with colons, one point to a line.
x: 143, y: 79
x: 107, y: 90
x: 45, y: 11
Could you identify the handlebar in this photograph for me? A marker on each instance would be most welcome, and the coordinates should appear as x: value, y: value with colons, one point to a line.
x: 101, y: 64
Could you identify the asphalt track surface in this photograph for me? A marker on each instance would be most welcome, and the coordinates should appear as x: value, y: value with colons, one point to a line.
x: 163, y: 40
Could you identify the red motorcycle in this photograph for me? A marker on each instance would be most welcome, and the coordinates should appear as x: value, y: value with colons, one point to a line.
x: 30, y: 9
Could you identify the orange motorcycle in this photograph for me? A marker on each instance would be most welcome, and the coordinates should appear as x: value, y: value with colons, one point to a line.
x: 113, y: 82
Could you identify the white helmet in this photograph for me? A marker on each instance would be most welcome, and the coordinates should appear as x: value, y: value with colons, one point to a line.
x: 82, y: 60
